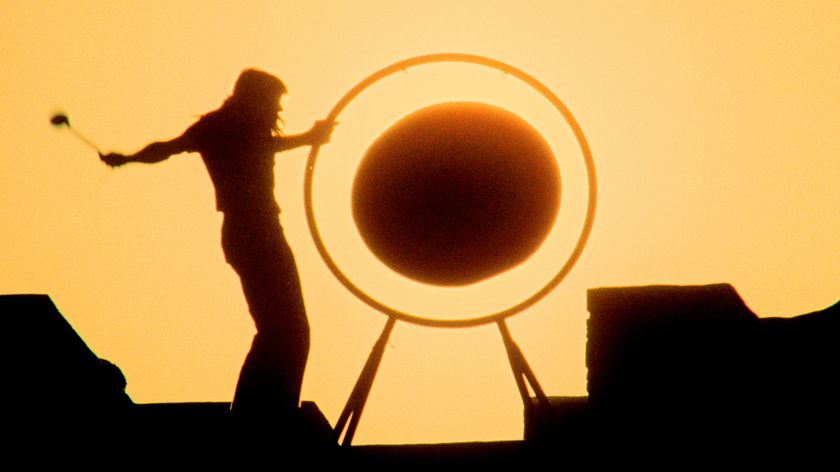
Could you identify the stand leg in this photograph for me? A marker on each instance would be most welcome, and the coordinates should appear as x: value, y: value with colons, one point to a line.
x: 522, y: 372
x: 356, y: 403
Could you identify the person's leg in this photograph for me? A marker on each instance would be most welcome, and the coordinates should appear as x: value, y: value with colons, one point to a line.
x: 270, y: 380
x: 271, y: 377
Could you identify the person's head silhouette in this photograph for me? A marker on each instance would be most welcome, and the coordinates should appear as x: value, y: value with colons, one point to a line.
x: 257, y: 95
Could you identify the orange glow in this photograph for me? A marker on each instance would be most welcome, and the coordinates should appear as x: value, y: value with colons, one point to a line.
x: 713, y: 125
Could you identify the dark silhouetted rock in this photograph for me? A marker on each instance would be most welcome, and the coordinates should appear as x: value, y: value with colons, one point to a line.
x: 50, y: 374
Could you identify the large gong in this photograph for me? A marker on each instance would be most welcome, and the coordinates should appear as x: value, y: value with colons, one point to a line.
x: 449, y: 195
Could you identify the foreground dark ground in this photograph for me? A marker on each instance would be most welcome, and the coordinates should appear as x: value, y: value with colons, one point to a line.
x: 677, y: 376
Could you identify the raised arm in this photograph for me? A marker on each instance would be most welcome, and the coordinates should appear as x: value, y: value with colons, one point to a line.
x: 319, y: 134
x: 154, y: 152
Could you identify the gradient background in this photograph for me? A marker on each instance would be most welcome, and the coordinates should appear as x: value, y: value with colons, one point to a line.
x: 714, y: 127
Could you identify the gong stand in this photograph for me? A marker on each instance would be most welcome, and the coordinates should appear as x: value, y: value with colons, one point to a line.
x: 522, y: 374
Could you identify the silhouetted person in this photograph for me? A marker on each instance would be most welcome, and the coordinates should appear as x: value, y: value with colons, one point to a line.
x: 237, y: 143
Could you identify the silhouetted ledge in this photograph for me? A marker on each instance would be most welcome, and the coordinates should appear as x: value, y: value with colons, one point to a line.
x: 454, y: 455
x: 687, y: 369
x: 692, y: 367
x: 51, y: 374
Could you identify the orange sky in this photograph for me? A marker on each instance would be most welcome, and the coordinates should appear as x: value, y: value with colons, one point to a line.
x: 714, y: 128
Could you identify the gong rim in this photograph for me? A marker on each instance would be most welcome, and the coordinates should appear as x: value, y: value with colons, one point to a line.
x: 535, y: 297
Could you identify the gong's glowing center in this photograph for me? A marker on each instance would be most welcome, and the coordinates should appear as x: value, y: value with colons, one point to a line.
x: 455, y: 193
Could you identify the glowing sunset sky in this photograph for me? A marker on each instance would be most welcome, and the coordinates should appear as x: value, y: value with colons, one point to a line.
x: 715, y: 129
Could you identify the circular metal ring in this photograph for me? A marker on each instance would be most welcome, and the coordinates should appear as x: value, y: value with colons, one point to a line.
x: 465, y: 322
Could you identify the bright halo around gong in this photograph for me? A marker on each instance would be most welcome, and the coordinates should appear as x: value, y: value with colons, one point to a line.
x: 386, y: 99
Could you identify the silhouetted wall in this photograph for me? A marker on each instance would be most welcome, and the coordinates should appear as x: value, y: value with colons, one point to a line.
x: 668, y: 362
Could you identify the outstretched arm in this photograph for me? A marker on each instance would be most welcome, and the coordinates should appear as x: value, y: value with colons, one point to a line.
x: 154, y: 152
x: 319, y: 134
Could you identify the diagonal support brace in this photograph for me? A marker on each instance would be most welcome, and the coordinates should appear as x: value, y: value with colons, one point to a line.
x: 522, y: 373
x: 356, y: 403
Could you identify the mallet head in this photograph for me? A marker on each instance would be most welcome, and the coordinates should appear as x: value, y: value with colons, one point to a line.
x: 60, y: 119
